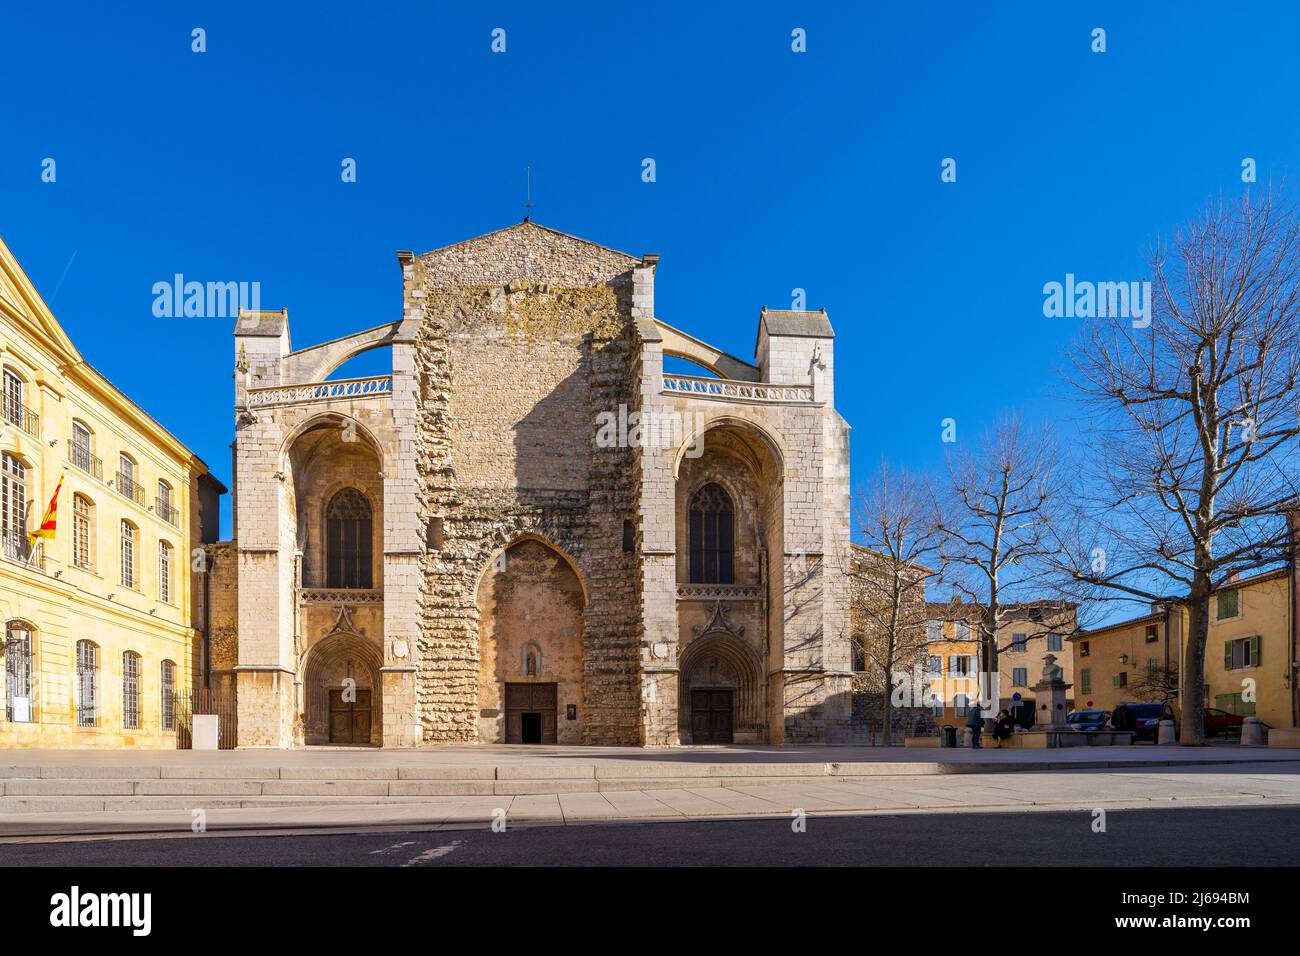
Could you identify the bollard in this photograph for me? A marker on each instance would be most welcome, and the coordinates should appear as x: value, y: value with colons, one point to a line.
x: 968, y: 738
x: 1252, y: 733
x: 1166, y: 733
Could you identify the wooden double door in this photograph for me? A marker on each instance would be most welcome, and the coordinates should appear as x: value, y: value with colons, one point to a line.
x: 350, y: 720
x: 530, y: 713
x: 712, y: 716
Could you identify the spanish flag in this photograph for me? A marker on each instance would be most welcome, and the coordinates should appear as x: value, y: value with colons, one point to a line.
x: 46, y: 530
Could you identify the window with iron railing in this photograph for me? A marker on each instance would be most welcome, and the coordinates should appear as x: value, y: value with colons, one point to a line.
x: 18, y: 672
x: 13, y: 509
x: 126, y: 485
x: 81, y: 452
x: 162, y: 505
x: 15, y: 412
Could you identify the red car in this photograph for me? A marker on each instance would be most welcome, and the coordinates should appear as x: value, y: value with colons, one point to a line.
x: 1219, y: 722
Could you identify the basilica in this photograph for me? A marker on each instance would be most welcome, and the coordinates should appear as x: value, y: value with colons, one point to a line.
x: 530, y: 531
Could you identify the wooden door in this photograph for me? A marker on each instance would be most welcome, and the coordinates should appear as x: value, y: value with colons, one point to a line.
x: 537, y: 699
x: 711, y: 716
x: 350, y: 720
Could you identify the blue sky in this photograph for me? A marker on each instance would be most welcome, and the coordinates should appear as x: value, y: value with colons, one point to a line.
x: 775, y: 170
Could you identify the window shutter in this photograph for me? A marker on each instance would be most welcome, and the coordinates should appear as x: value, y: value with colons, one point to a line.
x: 1254, y: 651
x: 1227, y: 655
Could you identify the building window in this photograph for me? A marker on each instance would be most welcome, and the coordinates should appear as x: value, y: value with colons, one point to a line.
x: 1019, y: 642
x: 87, y: 684
x: 1120, y: 679
x: 934, y: 631
x: 164, y: 572
x: 1243, y: 652
x: 1083, y: 649
x: 348, y: 541
x: 168, y: 695
x: 936, y: 703
x: 126, y: 479
x: 962, y: 631
x: 859, y: 654
x: 82, y: 453
x: 1054, y: 642
x: 961, y: 665
x: 961, y: 704
x: 163, y: 504
x: 83, y: 519
x: 129, y: 542
x: 935, y: 665
x: 1085, y: 680
x: 13, y: 398
x: 1227, y: 604
x: 1020, y: 677
x: 13, y: 507
x: 131, y: 690
x: 18, y: 672
x: 1152, y: 634
x: 711, y: 532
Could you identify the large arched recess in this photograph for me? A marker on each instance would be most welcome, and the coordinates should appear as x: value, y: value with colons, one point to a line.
x: 531, y: 602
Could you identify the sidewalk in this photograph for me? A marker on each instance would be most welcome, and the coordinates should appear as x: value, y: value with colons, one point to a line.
x: 732, y: 783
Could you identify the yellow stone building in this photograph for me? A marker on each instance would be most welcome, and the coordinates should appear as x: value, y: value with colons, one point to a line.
x: 103, y: 623
x: 1250, y: 653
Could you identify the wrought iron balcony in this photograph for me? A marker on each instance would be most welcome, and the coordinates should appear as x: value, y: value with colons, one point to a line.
x: 22, y: 416
x: 127, y: 488
x: 17, y: 547
x: 165, y: 511
x: 83, y: 459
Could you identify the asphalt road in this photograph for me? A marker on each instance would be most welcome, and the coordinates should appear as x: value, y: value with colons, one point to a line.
x: 1238, y: 836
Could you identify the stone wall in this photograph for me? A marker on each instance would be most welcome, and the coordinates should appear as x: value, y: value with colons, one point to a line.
x: 525, y: 337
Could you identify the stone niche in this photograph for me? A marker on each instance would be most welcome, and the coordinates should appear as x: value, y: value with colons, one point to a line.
x: 530, y: 632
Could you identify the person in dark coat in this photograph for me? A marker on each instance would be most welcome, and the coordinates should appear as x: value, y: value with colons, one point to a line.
x: 1002, y: 727
x: 974, y: 721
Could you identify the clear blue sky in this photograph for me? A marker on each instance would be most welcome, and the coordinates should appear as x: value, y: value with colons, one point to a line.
x: 775, y: 170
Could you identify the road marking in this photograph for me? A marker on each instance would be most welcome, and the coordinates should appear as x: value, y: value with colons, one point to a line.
x: 433, y: 853
x: 395, y: 846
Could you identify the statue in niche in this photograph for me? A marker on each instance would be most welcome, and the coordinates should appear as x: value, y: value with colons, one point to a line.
x: 531, y: 660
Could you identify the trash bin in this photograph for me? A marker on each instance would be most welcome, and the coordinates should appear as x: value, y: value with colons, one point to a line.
x: 949, y: 738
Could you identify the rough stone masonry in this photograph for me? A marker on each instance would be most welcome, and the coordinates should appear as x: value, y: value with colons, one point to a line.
x: 448, y: 554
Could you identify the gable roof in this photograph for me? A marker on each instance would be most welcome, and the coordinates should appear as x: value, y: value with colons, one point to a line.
x: 21, y: 303
x: 523, y: 227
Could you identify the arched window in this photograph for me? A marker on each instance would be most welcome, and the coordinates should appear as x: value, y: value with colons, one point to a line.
x: 82, y: 452
x: 168, y: 695
x: 712, y: 536
x: 859, y: 653
x: 126, y: 479
x: 347, y: 541
x: 87, y: 684
x: 13, y: 507
x: 164, y: 572
x: 83, y: 529
x: 18, y: 672
x: 163, y: 503
x: 131, y: 690
x: 130, y: 541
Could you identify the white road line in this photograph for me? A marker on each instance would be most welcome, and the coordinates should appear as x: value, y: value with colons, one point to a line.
x: 433, y: 853
x: 395, y: 846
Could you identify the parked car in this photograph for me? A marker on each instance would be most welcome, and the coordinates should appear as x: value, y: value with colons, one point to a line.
x: 1087, y: 719
x: 1142, y: 719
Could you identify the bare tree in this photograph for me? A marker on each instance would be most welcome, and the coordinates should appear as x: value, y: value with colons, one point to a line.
x: 1192, y: 458
x: 995, y: 522
x: 887, y: 576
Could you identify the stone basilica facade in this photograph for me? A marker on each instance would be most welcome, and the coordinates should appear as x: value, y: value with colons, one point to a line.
x: 529, y: 532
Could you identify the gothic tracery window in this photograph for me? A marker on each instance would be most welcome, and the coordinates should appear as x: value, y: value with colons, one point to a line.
x: 712, y: 536
x: 348, y: 541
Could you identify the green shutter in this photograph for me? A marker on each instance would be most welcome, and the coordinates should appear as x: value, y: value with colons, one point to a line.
x: 1227, y: 655
x: 1254, y: 651
x: 1085, y: 680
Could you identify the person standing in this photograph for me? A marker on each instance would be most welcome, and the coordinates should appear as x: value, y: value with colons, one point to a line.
x: 975, y: 722
x: 1002, y: 728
